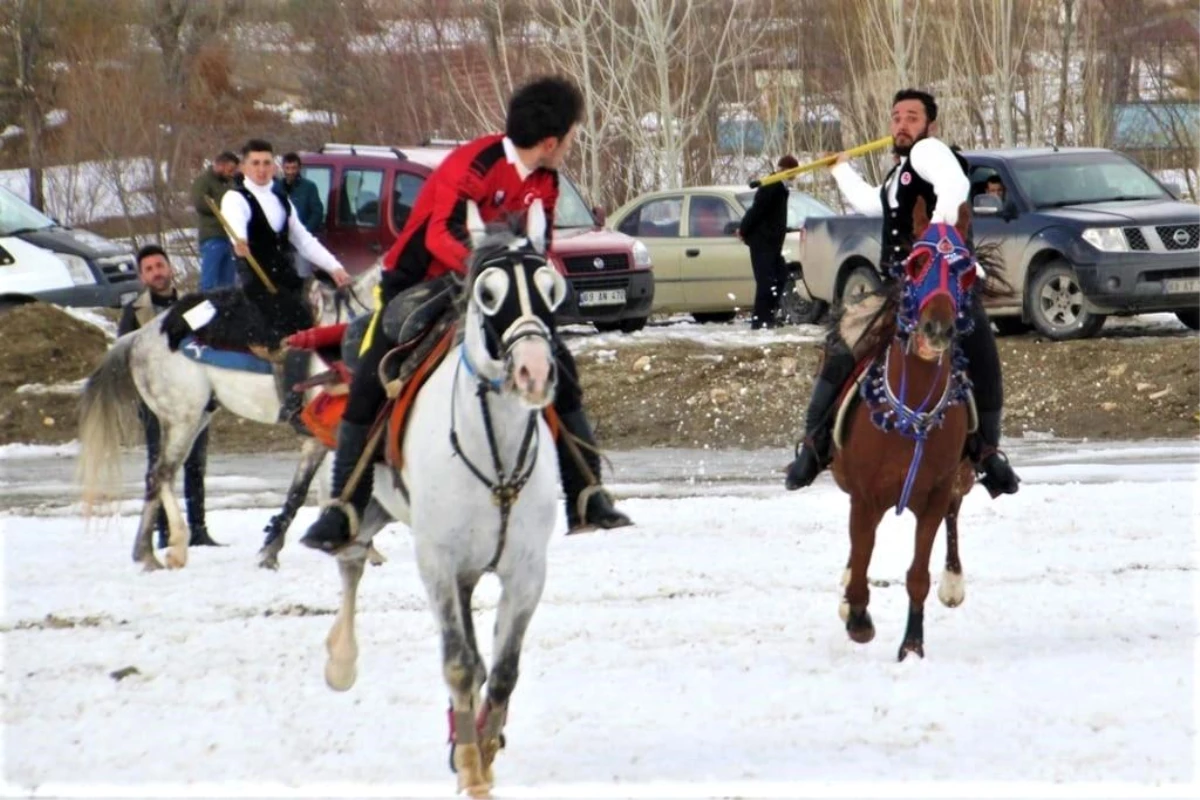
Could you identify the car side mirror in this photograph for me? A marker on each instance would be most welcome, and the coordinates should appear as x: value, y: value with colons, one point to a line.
x: 987, y: 205
x: 600, y: 215
x: 1174, y: 189
x: 731, y: 227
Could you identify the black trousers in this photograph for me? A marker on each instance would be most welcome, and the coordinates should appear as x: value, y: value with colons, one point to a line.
x: 770, y: 272
x: 193, y: 469
x: 280, y: 314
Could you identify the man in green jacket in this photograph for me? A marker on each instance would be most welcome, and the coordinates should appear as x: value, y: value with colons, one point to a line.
x: 217, y: 266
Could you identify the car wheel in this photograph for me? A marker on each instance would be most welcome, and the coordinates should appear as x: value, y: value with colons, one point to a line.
x: 8, y: 304
x: 633, y: 324
x: 607, y: 327
x: 1056, y: 304
x: 795, y: 310
x: 861, y: 282
x: 1190, y: 318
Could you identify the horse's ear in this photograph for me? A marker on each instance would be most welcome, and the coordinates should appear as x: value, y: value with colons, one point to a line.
x: 920, y: 216
x: 535, y: 226
x: 475, y: 226
x: 963, y: 223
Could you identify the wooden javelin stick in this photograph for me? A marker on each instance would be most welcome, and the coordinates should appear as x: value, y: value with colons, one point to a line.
x: 828, y: 161
x: 262, y: 276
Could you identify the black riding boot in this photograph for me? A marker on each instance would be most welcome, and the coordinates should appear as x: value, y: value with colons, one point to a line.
x: 816, y: 450
x: 995, y: 473
x: 598, y: 511
x: 333, y: 529
x: 193, y: 492
x: 293, y: 371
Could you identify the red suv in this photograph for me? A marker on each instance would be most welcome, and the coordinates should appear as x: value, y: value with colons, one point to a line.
x: 368, y: 192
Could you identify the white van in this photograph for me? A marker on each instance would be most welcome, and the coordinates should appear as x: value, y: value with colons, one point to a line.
x: 42, y: 260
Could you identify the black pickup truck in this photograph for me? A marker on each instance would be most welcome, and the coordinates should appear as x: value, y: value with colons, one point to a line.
x: 1083, y: 233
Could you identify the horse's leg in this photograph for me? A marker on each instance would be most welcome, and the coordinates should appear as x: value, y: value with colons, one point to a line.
x: 843, y: 606
x: 311, y: 455
x: 341, y: 645
x: 864, y: 518
x: 143, y: 540
x: 176, y: 444
x: 928, y: 521
x: 519, y: 598
x: 460, y: 670
x: 952, y: 588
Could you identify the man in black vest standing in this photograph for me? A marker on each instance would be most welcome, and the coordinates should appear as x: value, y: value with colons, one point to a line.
x: 929, y: 169
x: 265, y: 224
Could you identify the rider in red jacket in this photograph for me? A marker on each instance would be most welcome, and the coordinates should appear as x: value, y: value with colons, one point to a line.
x: 502, y: 174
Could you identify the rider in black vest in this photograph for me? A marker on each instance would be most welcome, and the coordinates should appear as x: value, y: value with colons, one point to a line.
x: 940, y: 177
x: 265, y: 225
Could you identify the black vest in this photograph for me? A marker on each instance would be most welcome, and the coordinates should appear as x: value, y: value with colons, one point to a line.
x: 898, y: 231
x: 270, y: 248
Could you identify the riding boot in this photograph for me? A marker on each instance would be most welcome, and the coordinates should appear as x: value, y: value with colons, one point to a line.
x: 293, y: 371
x: 193, y: 492
x: 598, y: 510
x: 995, y: 473
x: 339, y: 521
x: 815, y: 452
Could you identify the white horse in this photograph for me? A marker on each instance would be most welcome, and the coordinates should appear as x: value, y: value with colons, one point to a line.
x: 181, y: 392
x: 479, y: 487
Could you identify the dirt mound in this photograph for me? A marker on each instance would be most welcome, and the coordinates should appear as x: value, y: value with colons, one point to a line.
x: 41, y: 343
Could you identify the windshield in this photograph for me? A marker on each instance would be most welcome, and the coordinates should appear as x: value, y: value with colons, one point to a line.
x: 800, y: 207
x: 17, y: 215
x: 570, y: 211
x: 1067, y: 179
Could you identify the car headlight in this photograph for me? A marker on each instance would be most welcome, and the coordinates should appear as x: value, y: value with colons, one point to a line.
x: 1110, y: 240
x: 641, y: 255
x: 78, y: 268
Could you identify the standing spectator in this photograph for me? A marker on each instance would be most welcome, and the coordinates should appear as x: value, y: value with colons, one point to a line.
x: 217, y: 267
x: 763, y: 230
x: 160, y: 294
x: 306, y: 199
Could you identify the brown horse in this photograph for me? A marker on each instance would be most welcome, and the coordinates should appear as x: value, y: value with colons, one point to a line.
x: 904, y: 444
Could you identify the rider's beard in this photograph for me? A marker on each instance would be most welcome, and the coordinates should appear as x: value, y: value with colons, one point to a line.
x: 904, y: 150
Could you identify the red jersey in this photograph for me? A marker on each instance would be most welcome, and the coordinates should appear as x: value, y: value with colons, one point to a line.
x: 435, y: 239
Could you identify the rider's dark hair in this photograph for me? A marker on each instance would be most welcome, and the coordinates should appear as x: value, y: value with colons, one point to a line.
x: 150, y: 250
x: 916, y: 94
x: 544, y: 107
x: 257, y: 146
x: 788, y: 162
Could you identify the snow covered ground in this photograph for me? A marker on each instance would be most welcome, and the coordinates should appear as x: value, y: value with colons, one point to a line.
x: 698, y: 654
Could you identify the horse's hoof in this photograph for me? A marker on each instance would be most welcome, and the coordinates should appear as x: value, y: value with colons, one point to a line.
x: 268, y: 560
x: 151, y: 564
x: 340, y: 676
x: 859, y: 626
x: 468, y: 764
x: 176, y: 558
x: 952, y: 589
x: 375, y: 557
x: 911, y: 647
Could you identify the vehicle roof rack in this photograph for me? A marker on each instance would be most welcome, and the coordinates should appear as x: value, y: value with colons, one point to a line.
x: 363, y: 149
x: 433, y: 142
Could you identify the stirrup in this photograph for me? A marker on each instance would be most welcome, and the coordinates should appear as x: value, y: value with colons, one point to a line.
x: 352, y: 522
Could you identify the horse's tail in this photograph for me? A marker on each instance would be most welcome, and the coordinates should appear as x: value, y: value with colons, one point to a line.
x: 107, y: 415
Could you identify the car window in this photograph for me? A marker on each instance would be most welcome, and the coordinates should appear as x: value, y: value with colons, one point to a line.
x: 655, y: 218
x: 708, y: 216
x: 359, y: 202
x: 1065, y: 179
x: 323, y: 178
x: 986, y: 180
x: 404, y: 197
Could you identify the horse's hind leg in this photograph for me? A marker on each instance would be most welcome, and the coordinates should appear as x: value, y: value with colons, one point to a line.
x: 341, y: 668
x: 518, y: 600
x: 952, y: 588
x: 864, y: 519
x: 143, y: 540
x: 311, y: 455
x: 928, y: 521
x: 177, y: 442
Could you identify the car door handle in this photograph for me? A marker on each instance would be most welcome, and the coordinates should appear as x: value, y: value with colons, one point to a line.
x: 692, y: 252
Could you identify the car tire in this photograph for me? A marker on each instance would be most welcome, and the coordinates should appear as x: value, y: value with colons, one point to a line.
x: 607, y: 327
x: 860, y: 282
x: 1055, y: 304
x: 8, y: 304
x: 1190, y: 318
x: 714, y: 316
x: 795, y: 310
x: 633, y: 324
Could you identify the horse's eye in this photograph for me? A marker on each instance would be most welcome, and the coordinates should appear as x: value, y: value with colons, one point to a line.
x: 551, y: 286
x: 491, y: 287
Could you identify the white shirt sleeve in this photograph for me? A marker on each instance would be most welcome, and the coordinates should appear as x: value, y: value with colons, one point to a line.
x: 307, y: 245
x: 933, y: 161
x: 862, y: 196
x: 236, y: 212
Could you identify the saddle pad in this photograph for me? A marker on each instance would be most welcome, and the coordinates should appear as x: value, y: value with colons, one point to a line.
x: 408, y: 393
x: 323, y: 414
x: 239, y: 360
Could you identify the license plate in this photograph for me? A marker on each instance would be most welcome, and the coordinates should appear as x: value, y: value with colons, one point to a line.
x: 602, y: 297
x: 1181, y: 286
